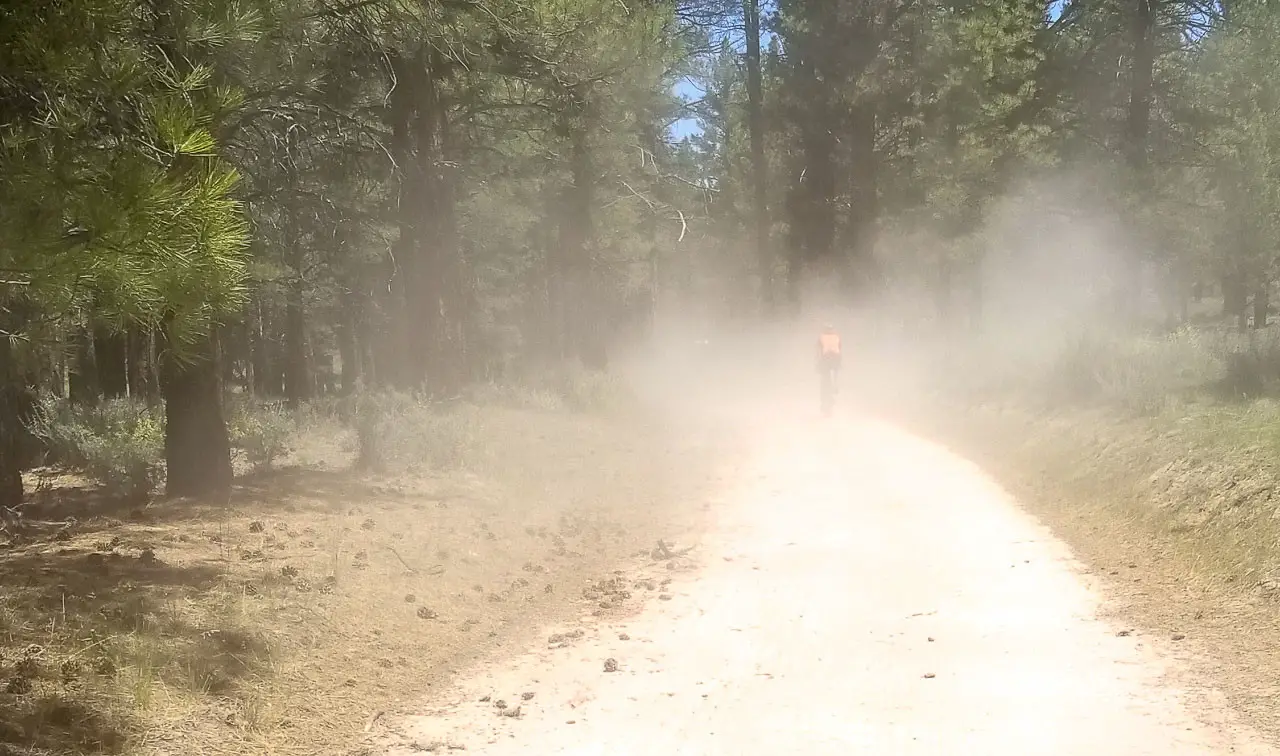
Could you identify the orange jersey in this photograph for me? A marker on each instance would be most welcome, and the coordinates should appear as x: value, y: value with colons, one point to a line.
x: 829, y: 343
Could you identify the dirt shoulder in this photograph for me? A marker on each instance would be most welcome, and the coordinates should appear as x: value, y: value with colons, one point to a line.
x: 317, y: 601
x: 1177, y: 515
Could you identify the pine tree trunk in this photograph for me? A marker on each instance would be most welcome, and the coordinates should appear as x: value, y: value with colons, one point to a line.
x: 84, y: 387
x: 396, y: 358
x: 11, y: 462
x: 579, y: 324
x: 197, y: 447
x: 419, y: 123
x: 864, y: 209
x: 435, y: 275
x: 1142, y: 66
x: 111, y: 356
x: 244, y: 356
x: 369, y: 343
x: 348, y: 351
x: 1142, y: 34
x: 1233, y: 296
x: 759, y: 168
x: 17, y: 405
x: 810, y: 202
x: 818, y: 192
x: 267, y: 365
x: 141, y: 363
x: 297, y: 369
x: 1261, y: 303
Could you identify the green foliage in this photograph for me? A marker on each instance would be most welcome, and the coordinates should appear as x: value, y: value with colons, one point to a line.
x: 119, y: 442
x: 123, y: 209
x: 587, y: 390
x: 1140, y: 376
x: 518, y: 396
x: 263, y: 431
x: 442, y: 192
x: 395, y: 429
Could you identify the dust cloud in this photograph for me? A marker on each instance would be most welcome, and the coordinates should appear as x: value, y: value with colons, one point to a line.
x: 1050, y: 264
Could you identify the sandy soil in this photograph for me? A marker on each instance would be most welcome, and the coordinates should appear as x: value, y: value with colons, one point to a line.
x: 859, y: 591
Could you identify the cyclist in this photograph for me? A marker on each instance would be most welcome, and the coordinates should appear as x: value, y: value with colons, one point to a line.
x: 829, y: 350
x: 828, y: 363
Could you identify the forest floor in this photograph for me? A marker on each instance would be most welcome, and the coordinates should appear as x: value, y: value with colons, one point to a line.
x: 1176, y: 514
x: 317, y: 601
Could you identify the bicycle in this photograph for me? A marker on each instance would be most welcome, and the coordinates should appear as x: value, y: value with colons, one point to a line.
x: 827, y: 391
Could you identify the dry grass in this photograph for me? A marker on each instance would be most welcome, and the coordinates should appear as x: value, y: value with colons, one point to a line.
x: 284, y: 621
x: 1178, y: 513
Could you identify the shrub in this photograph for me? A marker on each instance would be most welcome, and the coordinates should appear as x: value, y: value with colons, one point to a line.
x: 1140, y: 374
x: 575, y: 387
x: 119, y: 442
x: 368, y: 414
x: 591, y: 390
x: 517, y: 396
x: 395, y: 427
x: 263, y: 431
x: 1252, y: 363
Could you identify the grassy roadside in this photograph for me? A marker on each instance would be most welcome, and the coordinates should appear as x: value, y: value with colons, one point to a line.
x: 1180, y: 514
x: 318, y: 599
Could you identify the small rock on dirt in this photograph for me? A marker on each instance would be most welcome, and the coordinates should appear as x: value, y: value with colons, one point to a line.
x: 1124, y: 633
x: 257, y: 526
x: 426, y: 613
x: 929, y: 675
x: 624, y: 637
x: 527, y: 696
x: 664, y: 597
x: 610, y: 665
x: 1178, y: 636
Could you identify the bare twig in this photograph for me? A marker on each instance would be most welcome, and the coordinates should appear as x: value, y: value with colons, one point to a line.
x: 406, y: 564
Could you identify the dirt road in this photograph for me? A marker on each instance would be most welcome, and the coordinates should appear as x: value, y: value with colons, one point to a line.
x: 859, y: 591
